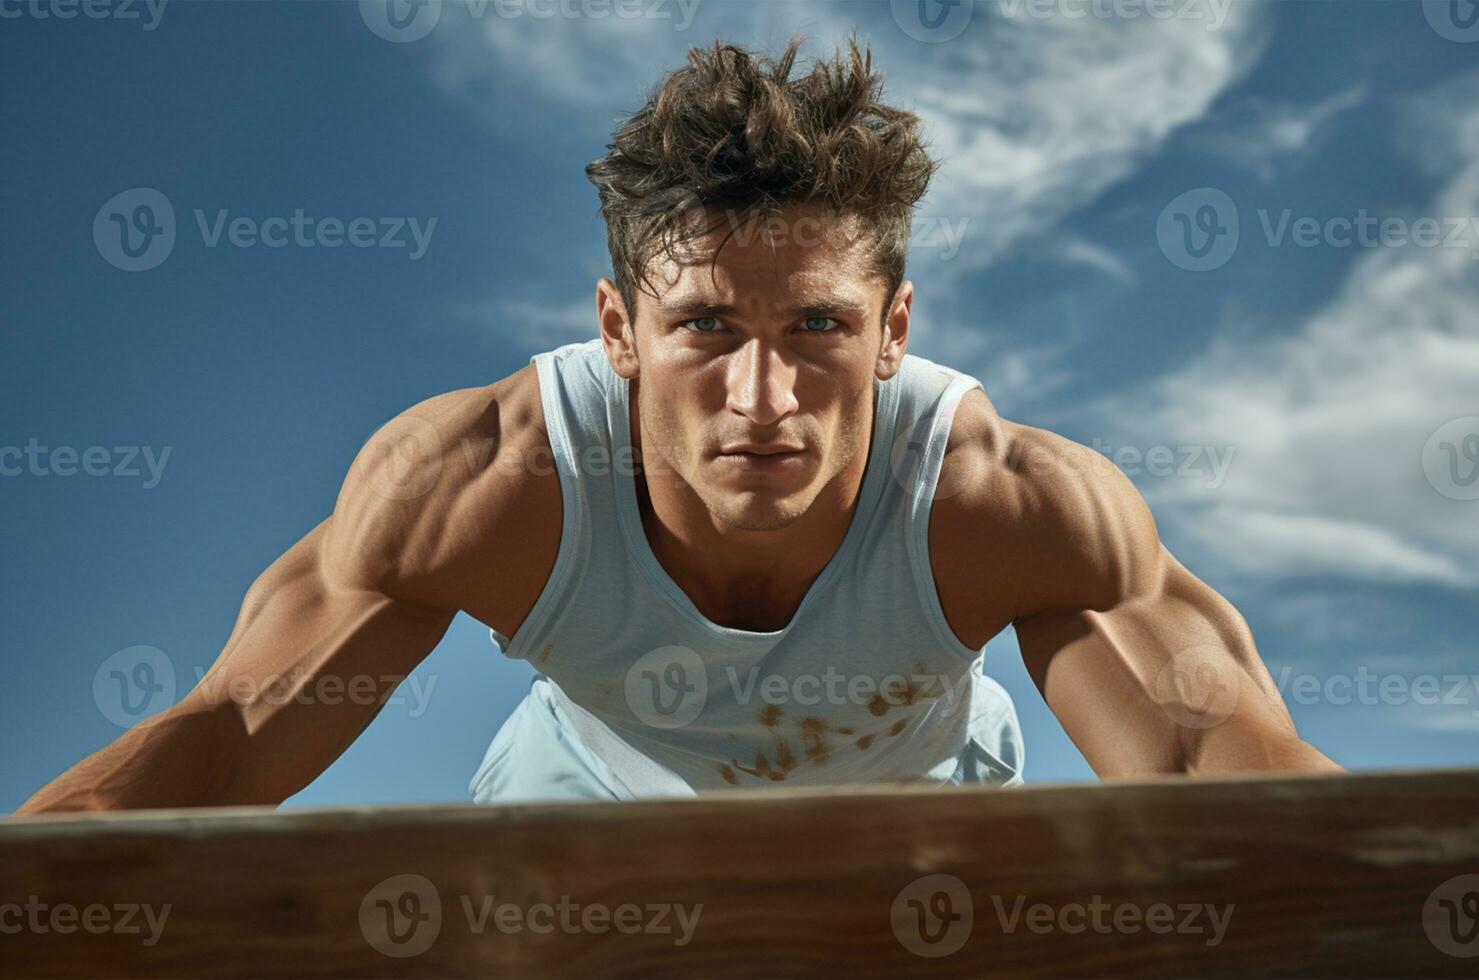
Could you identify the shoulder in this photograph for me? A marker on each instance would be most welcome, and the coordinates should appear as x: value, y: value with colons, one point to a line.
x: 452, y: 498
x: 1035, y: 520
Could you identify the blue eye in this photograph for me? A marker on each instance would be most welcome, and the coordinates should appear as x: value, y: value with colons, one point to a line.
x: 824, y: 324
x: 697, y: 324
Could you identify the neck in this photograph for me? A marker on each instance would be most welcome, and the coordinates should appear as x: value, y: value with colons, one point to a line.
x: 743, y: 579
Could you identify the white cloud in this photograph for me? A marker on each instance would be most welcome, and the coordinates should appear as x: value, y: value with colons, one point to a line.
x: 1261, y: 542
x: 533, y: 324
x: 1072, y: 250
x: 1263, y: 132
x: 1463, y: 720
x: 1035, y: 120
x: 568, y: 64
x: 1041, y: 115
x: 1330, y: 420
x: 1343, y: 618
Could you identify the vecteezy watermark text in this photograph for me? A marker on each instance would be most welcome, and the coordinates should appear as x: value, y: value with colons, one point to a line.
x: 150, y: 12
x: 125, y: 918
x: 404, y: 21
x: 244, y: 231
x: 937, y: 21
x: 1214, y: 12
x: 934, y: 916
x: 120, y: 461
x: 1199, y: 230
x: 1097, y: 915
x: 668, y: 688
x: 1207, y: 463
x: 135, y: 230
x: 402, y: 916
x: 1367, y: 687
x: 301, y: 686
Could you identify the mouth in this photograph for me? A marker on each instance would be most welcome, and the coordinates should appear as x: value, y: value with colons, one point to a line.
x: 759, y: 449
x: 761, y: 457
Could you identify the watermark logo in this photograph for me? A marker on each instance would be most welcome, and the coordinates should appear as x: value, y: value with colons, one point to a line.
x: 1454, y: 20
x: 1451, y: 916
x: 1198, y: 687
x: 667, y: 687
x: 933, y: 915
x: 133, y: 684
x: 1451, y: 458
x: 933, y: 21
x: 401, y: 21
x: 403, y: 459
x: 1198, y: 230
x: 401, y: 916
x: 906, y: 462
x: 135, y: 229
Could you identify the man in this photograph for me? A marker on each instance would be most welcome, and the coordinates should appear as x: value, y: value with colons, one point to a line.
x: 743, y: 538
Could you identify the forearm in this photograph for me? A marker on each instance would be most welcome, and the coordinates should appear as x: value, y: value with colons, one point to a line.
x: 180, y: 758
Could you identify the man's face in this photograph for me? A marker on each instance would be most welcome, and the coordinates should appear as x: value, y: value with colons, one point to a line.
x: 755, y: 383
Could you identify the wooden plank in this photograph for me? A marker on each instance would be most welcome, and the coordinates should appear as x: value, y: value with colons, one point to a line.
x: 1328, y: 875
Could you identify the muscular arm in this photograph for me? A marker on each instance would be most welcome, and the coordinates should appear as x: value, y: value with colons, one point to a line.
x: 1148, y: 668
x: 323, y: 637
x: 312, y: 658
x: 1164, y: 679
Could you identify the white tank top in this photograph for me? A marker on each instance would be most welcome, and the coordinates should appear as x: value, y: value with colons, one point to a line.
x: 866, y: 684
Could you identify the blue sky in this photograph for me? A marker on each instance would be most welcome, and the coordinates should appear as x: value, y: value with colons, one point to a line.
x: 1075, y: 253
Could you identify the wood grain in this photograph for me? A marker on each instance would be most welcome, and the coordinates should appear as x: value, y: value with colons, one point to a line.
x: 1328, y: 875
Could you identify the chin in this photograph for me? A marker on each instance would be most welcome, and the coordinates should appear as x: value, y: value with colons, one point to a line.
x: 752, y: 511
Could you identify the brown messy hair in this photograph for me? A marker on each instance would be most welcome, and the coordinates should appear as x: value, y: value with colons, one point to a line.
x: 732, y: 130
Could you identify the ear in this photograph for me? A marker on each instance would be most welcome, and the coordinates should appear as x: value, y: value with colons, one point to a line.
x: 617, y: 335
x: 895, y: 332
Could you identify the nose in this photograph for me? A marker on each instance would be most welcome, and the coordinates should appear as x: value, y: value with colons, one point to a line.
x: 762, y: 386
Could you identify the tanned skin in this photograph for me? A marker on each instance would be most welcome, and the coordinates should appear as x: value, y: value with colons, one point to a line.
x: 455, y: 505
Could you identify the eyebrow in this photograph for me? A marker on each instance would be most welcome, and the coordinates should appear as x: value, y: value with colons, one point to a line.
x: 821, y: 306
